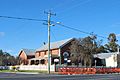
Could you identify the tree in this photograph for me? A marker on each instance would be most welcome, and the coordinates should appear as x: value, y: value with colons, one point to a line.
x: 111, y: 46
x: 1, y: 52
x: 75, y: 51
x: 7, y: 59
x: 82, y: 50
x: 88, y: 48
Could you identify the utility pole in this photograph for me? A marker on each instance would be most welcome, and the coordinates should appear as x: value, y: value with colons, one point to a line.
x: 49, y: 24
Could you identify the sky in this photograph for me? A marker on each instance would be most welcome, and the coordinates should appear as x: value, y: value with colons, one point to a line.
x: 101, y: 17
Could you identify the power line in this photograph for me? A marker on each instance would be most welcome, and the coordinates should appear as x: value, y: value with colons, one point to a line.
x: 53, y: 35
x: 81, y: 31
x: 61, y: 4
x: 78, y: 3
x: 53, y: 22
x: 21, y: 18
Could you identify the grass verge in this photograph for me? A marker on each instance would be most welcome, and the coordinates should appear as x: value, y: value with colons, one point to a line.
x: 33, y: 71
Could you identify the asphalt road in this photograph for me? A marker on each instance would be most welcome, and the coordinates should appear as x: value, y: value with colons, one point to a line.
x: 14, y: 76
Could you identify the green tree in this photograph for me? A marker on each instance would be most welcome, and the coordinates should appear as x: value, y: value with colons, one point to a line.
x: 112, y: 45
x: 7, y: 59
x: 1, y: 53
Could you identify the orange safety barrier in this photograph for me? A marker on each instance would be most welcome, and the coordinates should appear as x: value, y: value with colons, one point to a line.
x: 62, y: 71
x: 91, y: 71
x: 70, y: 71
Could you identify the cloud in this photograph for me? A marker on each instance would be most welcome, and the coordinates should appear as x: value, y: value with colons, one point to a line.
x: 9, y: 51
x: 2, y: 33
x: 118, y: 35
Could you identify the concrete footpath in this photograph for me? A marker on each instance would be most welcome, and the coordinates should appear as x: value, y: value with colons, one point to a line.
x: 23, y: 72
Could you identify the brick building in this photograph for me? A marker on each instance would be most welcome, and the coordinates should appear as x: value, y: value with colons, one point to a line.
x: 57, y: 51
x: 25, y: 55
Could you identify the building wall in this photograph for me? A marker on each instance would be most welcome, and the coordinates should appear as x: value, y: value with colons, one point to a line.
x: 55, y: 53
x: 111, y: 61
x: 118, y: 60
x: 23, y: 58
x: 65, y: 48
x: 45, y: 53
x: 37, y: 54
x: 23, y: 55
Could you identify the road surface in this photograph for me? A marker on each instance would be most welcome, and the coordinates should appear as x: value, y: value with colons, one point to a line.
x: 16, y: 76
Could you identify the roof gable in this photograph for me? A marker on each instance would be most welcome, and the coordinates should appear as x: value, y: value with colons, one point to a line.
x: 55, y: 45
x: 29, y: 51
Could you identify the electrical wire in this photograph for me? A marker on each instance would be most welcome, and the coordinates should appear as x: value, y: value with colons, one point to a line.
x: 71, y: 7
x: 21, y: 18
x: 53, y: 22
x: 68, y: 27
x: 53, y: 35
x: 61, y: 4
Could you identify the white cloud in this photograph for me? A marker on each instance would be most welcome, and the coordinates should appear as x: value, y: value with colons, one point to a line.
x: 2, y: 33
x: 118, y: 35
x: 9, y: 51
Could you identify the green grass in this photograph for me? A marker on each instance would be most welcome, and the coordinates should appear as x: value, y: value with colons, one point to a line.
x: 24, y: 71
x: 32, y: 71
x: 7, y: 71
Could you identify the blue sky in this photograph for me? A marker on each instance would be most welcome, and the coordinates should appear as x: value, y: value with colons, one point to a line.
x: 99, y: 16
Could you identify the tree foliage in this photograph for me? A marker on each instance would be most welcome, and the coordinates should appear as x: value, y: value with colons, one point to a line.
x: 82, y: 50
x: 7, y: 59
x: 75, y: 51
x: 112, y: 45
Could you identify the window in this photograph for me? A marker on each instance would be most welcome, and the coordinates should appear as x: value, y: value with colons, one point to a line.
x: 36, y: 62
x: 45, y: 53
x: 32, y: 62
x: 42, y: 61
x: 39, y: 54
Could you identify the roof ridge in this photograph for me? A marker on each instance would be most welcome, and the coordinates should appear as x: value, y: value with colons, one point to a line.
x: 54, y: 45
x: 60, y: 40
x: 27, y: 49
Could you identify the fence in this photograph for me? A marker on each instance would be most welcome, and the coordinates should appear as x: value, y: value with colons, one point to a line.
x: 36, y: 67
x: 70, y: 70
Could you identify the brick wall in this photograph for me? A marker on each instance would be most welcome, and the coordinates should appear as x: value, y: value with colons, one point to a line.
x: 23, y: 58
x: 43, y: 53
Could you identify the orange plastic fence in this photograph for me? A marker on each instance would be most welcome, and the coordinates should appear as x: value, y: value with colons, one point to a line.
x: 69, y: 71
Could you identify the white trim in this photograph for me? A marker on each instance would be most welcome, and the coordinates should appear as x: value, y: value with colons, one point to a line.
x: 59, y: 56
x: 67, y: 42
